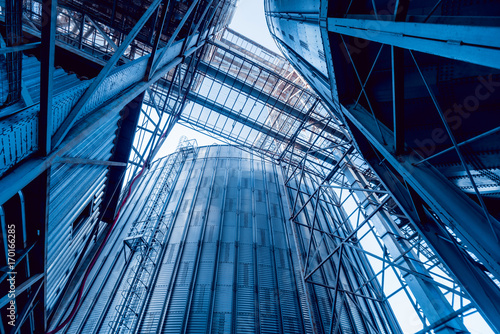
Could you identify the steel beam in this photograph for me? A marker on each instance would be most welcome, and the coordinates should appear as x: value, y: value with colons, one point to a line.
x: 168, y: 9
x: 223, y: 110
x: 465, y: 142
x: 21, y: 288
x: 49, y: 18
x: 12, y: 12
x: 398, y: 88
x: 239, y: 85
x: 102, y: 32
x: 28, y: 170
x: 448, y: 202
x: 431, y: 300
x: 27, y: 310
x: 398, y: 98
x: 22, y: 47
x: 444, y: 320
x: 174, y: 35
x: 69, y: 160
x: 472, y: 44
x: 465, y: 271
x: 71, y: 118
x: 31, y: 241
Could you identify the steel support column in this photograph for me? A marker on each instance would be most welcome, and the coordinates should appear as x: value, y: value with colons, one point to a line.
x: 32, y: 167
x: 13, y: 27
x: 433, y: 303
x: 481, y: 289
x: 49, y: 18
x: 448, y: 202
x: 71, y: 118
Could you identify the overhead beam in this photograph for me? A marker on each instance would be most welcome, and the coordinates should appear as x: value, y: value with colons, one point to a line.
x: 102, y: 32
x: 483, y: 292
x: 80, y: 161
x: 28, y: 170
x: 22, y: 47
x: 262, y: 96
x: 168, y: 9
x: 473, y: 44
x: 72, y: 116
x: 174, y: 35
x: 398, y: 90
x: 218, y: 108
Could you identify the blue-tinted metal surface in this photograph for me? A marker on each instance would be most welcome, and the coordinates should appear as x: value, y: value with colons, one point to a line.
x: 75, y: 184
x: 245, y: 94
x: 227, y: 261
x: 395, y: 102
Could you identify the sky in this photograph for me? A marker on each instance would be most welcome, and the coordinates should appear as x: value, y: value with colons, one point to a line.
x: 249, y: 20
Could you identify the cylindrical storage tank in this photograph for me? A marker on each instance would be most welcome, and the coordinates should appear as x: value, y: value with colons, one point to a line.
x: 205, y: 244
x: 221, y: 256
x: 227, y: 267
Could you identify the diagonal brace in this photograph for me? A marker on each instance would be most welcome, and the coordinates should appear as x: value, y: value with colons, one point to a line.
x: 70, y: 120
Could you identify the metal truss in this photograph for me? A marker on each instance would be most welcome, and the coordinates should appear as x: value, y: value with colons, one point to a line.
x: 250, y: 98
x: 483, y: 239
x: 364, y: 221
x: 362, y: 245
x: 109, y: 46
x: 386, y: 74
x: 258, y: 103
x: 130, y: 65
x: 158, y: 116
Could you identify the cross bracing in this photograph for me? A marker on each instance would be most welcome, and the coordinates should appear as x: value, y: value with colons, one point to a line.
x: 236, y: 99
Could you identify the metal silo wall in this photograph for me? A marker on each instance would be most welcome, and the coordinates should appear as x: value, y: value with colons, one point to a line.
x: 72, y: 188
x: 108, y: 278
x: 227, y: 263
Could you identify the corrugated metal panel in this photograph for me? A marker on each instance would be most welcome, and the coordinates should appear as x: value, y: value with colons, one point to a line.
x: 221, y: 269
x: 72, y: 188
x: 107, y: 271
x: 19, y: 132
x: 31, y: 78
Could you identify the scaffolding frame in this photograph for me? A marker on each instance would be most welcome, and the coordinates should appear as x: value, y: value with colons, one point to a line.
x: 316, y: 181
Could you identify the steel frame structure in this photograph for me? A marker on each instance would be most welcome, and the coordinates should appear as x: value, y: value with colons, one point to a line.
x: 272, y: 108
x: 273, y: 114
x: 311, y: 179
x: 373, y: 72
x: 98, y: 101
x: 371, y: 218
